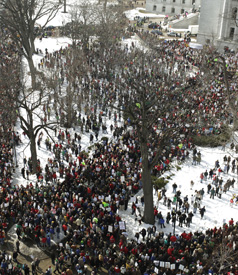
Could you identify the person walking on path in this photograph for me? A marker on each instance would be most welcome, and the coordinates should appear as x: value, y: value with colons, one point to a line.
x: 202, y: 211
x: 201, y: 177
x: 23, y: 172
x: 174, y: 187
x: 212, y: 193
x: 18, y: 246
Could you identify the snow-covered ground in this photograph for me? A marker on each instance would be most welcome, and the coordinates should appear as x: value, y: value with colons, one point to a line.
x: 131, y: 14
x: 218, y: 210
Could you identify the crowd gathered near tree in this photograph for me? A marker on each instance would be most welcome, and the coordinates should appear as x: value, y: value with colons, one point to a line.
x: 80, y: 195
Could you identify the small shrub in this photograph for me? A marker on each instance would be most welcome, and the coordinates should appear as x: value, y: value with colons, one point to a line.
x: 104, y: 138
x: 159, y: 182
x: 84, y: 153
x: 143, y: 11
x: 178, y: 167
x: 213, y: 140
x: 97, y: 145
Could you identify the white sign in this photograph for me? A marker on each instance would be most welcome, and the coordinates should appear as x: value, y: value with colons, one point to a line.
x: 181, y: 267
x: 110, y: 228
x: 122, y: 225
x: 172, y: 266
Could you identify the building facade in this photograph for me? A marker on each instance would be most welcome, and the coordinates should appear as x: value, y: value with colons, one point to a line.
x: 171, y: 7
x: 218, y: 23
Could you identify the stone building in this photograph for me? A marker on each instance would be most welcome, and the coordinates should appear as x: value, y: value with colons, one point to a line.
x: 218, y: 23
x: 172, y: 7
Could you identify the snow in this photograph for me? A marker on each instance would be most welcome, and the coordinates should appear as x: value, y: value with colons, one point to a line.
x: 61, y: 17
x: 52, y: 44
x: 130, y: 14
x: 218, y: 210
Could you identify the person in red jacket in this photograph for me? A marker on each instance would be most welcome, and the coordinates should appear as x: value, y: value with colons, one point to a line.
x: 170, y: 250
x: 125, y: 250
x: 184, y: 235
x: 64, y: 227
x: 117, y: 269
x: 231, y: 221
x: 173, y: 239
x: 43, y: 241
x: 112, y: 239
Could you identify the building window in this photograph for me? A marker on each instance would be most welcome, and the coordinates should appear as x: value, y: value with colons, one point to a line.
x: 182, y: 11
x: 174, y: 1
x: 183, y: 1
x: 172, y: 10
x: 193, y: 2
x: 154, y: 8
x: 232, y: 31
x: 163, y: 9
x: 234, y: 13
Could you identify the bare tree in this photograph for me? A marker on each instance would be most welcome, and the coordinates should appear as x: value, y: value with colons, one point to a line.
x: 29, y: 106
x: 83, y: 23
x: 10, y: 66
x: 224, y: 255
x: 216, y: 64
x: 20, y: 17
x: 145, y: 107
x: 36, y: 120
x: 153, y: 93
x: 232, y: 96
x: 111, y: 26
x: 76, y: 68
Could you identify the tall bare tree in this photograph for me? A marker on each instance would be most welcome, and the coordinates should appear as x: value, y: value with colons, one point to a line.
x: 224, y: 254
x: 156, y: 98
x: 28, y: 105
x: 82, y: 24
x: 145, y: 106
x: 19, y: 17
x: 215, y: 63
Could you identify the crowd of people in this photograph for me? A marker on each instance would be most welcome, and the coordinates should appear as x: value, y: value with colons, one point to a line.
x: 77, y: 196
x: 84, y: 210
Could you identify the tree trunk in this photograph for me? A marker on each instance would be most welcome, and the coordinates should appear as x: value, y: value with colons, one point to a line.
x: 33, y: 72
x: 235, y: 119
x: 69, y: 118
x: 33, y: 152
x: 64, y: 7
x: 105, y: 5
x: 147, y: 186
